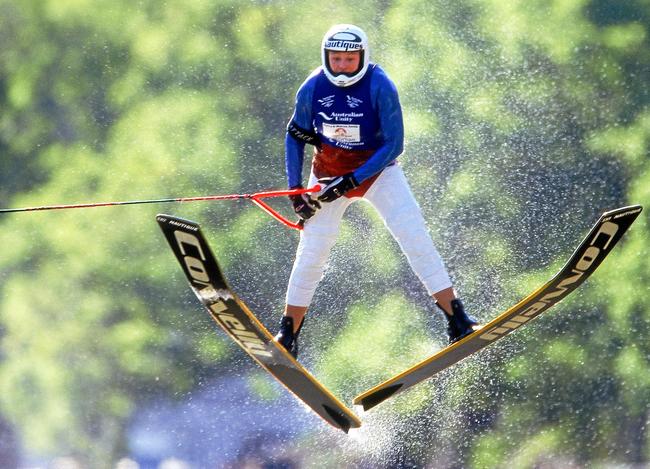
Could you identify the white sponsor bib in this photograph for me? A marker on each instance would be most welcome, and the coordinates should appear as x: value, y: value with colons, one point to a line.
x: 347, y: 133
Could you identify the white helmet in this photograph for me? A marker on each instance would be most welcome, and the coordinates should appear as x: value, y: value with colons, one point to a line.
x: 347, y: 38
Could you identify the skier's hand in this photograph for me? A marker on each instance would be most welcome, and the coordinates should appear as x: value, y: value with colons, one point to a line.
x: 304, y: 206
x: 337, y: 186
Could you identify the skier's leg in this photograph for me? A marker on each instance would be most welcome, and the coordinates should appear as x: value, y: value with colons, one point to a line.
x: 316, y: 241
x: 444, y: 298
x: 391, y: 196
x: 393, y: 199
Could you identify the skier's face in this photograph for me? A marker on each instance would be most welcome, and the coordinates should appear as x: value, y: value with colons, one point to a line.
x: 344, y: 62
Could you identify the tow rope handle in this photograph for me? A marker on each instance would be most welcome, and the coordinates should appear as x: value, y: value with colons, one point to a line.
x: 256, y: 199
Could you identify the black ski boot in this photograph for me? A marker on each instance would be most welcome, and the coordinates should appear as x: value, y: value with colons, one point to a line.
x: 286, y: 337
x: 459, y: 324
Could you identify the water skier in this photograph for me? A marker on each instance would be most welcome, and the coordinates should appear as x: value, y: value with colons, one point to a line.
x: 349, y: 110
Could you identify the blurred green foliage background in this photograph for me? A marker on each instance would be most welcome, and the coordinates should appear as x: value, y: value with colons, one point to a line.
x: 524, y: 119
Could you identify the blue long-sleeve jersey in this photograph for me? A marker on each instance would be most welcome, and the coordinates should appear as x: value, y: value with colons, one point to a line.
x: 376, y: 126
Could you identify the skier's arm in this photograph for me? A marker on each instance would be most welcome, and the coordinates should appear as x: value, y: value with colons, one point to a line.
x: 387, y: 103
x: 299, y: 131
x: 293, y: 159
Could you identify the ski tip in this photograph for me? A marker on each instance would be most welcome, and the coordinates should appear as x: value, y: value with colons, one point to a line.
x: 171, y: 221
x: 371, y: 399
x: 339, y: 419
x: 630, y: 210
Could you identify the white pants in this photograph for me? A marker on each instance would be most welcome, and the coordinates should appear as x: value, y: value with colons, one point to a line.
x: 391, y: 196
